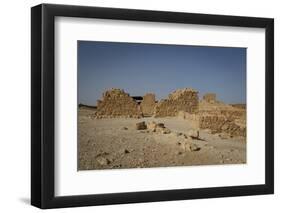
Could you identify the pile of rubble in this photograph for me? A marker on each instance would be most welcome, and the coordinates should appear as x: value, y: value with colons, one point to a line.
x: 185, y: 139
x: 153, y: 127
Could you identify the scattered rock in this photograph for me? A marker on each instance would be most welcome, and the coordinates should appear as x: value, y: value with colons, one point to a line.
x: 193, y: 133
x: 165, y: 131
x: 160, y: 125
x: 126, y: 151
x: 124, y: 128
x: 179, y: 153
x: 103, y: 161
x: 102, y: 154
x: 178, y: 134
x: 194, y: 147
x: 225, y: 127
x: 144, y: 131
x: 186, y: 136
x: 141, y: 126
x: 117, y: 166
x: 152, y: 125
x: 223, y: 135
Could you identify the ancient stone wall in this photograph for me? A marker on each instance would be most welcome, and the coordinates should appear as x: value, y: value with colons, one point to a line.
x: 180, y: 100
x: 117, y: 103
x: 210, y: 97
x: 148, y: 104
x: 218, y: 123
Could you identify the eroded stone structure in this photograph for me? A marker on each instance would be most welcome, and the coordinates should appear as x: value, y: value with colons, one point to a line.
x: 117, y: 103
x: 222, y: 118
x: 180, y: 100
x: 219, y: 123
x: 148, y: 104
x: 210, y: 97
x: 207, y: 114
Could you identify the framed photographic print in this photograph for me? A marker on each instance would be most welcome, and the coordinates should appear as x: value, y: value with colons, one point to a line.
x: 139, y: 106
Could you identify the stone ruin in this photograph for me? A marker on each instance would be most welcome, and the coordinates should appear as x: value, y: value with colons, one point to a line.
x: 218, y: 123
x: 210, y: 97
x: 180, y: 100
x: 208, y: 114
x: 148, y: 104
x: 221, y: 118
x: 217, y: 118
x: 117, y: 103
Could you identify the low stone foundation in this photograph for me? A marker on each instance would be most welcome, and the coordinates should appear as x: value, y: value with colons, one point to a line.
x: 220, y: 123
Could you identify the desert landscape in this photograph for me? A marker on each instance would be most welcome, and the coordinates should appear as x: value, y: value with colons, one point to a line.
x: 141, y: 132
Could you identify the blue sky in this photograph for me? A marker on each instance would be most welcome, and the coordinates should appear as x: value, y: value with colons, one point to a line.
x: 158, y: 68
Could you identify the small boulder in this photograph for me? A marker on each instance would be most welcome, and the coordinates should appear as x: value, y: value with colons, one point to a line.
x: 103, y: 161
x: 224, y: 135
x: 165, y: 131
x: 177, y: 134
x: 141, y: 125
x: 225, y: 127
x: 160, y: 125
x: 126, y: 151
x: 152, y: 125
x: 194, y: 147
x: 193, y: 133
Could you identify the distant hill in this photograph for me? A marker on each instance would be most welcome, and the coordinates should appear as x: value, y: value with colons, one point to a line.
x: 87, y: 106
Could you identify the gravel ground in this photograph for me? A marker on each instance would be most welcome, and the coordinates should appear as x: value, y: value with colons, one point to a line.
x: 115, y: 143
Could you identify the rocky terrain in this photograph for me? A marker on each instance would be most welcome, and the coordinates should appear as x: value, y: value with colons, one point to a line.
x: 181, y: 130
x: 111, y: 143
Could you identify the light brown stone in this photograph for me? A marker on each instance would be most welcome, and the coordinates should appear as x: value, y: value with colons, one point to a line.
x: 117, y: 103
x: 148, y: 104
x: 180, y: 100
x: 210, y: 97
x: 141, y: 125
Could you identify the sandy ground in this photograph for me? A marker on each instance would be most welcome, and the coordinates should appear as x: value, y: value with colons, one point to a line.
x: 115, y: 143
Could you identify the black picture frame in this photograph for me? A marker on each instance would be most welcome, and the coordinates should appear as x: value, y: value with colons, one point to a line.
x: 43, y: 102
